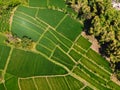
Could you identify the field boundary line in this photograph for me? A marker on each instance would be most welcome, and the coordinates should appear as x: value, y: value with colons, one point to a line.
x: 97, y: 65
x: 34, y: 18
x: 89, y: 77
x: 59, y: 39
x: 84, y: 55
x: 19, y: 84
x: 11, y: 17
x: 63, y: 36
x: 32, y: 30
x: 83, y: 87
x: 42, y: 35
x: 4, y: 86
x: 50, y: 40
x: 80, y: 47
x: 67, y: 82
x: 40, y: 20
x: 53, y: 51
x: 74, y: 43
x: 67, y: 54
x: 41, y: 27
x: 35, y: 84
x: 49, y: 76
x: 96, y: 75
x: 44, y: 47
x: 60, y: 22
x: 82, y: 80
x: 48, y: 83
x: 92, y: 71
x: 49, y: 59
x: 7, y: 62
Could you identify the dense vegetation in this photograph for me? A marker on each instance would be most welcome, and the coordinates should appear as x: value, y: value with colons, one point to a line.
x: 6, y: 6
x: 117, y: 0
x: 103, y: 21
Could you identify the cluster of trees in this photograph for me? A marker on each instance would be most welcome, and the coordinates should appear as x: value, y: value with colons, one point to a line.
x: 24, y: 42
x: 103, y: 21
x: 6, y: 6
x: 116, y: 0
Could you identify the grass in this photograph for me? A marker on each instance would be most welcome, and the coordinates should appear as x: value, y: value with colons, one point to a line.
x: 47, y: 16
x: 73, y: 83
x: 38, y: 3
x: 84, y: 43
x: 98, y: 59
x: 4, y: 24
x: 24, y: 31
x: 113, y: 85
x: 2, y: 39
x: 43, y: 50
x: 42, y: 83
x: 62, y: 58
x: 75, y: 55
x: 6, y: 7
x: 70, y: 30
x: 93, y: 75
x: 95, y: 68
x: 2, y: 86
x: 60, y: 81
x: 63, y: 39
x: 79, y: 49
x: 31, y: 20
x: 27, y: 84
x: 86, y: 77
x: 60, y: 4
x: 4, y: 53
x: 47, y: 43
x: 30, y: 64
x: 11, y: 84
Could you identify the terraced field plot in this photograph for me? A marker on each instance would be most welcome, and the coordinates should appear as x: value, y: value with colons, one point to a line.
x: 61, y: 58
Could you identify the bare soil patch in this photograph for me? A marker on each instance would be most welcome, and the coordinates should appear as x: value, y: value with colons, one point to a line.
x: 12, y: 14
x: 114, y: 79
x: 95, y: 46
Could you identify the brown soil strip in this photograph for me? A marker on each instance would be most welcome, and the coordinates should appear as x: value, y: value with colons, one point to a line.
x: 114, y: 79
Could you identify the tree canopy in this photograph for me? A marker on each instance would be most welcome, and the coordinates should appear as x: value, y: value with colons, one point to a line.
x: 103, y: 21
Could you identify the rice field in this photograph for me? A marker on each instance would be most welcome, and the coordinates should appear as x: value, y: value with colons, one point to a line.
x: 62, y: 59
